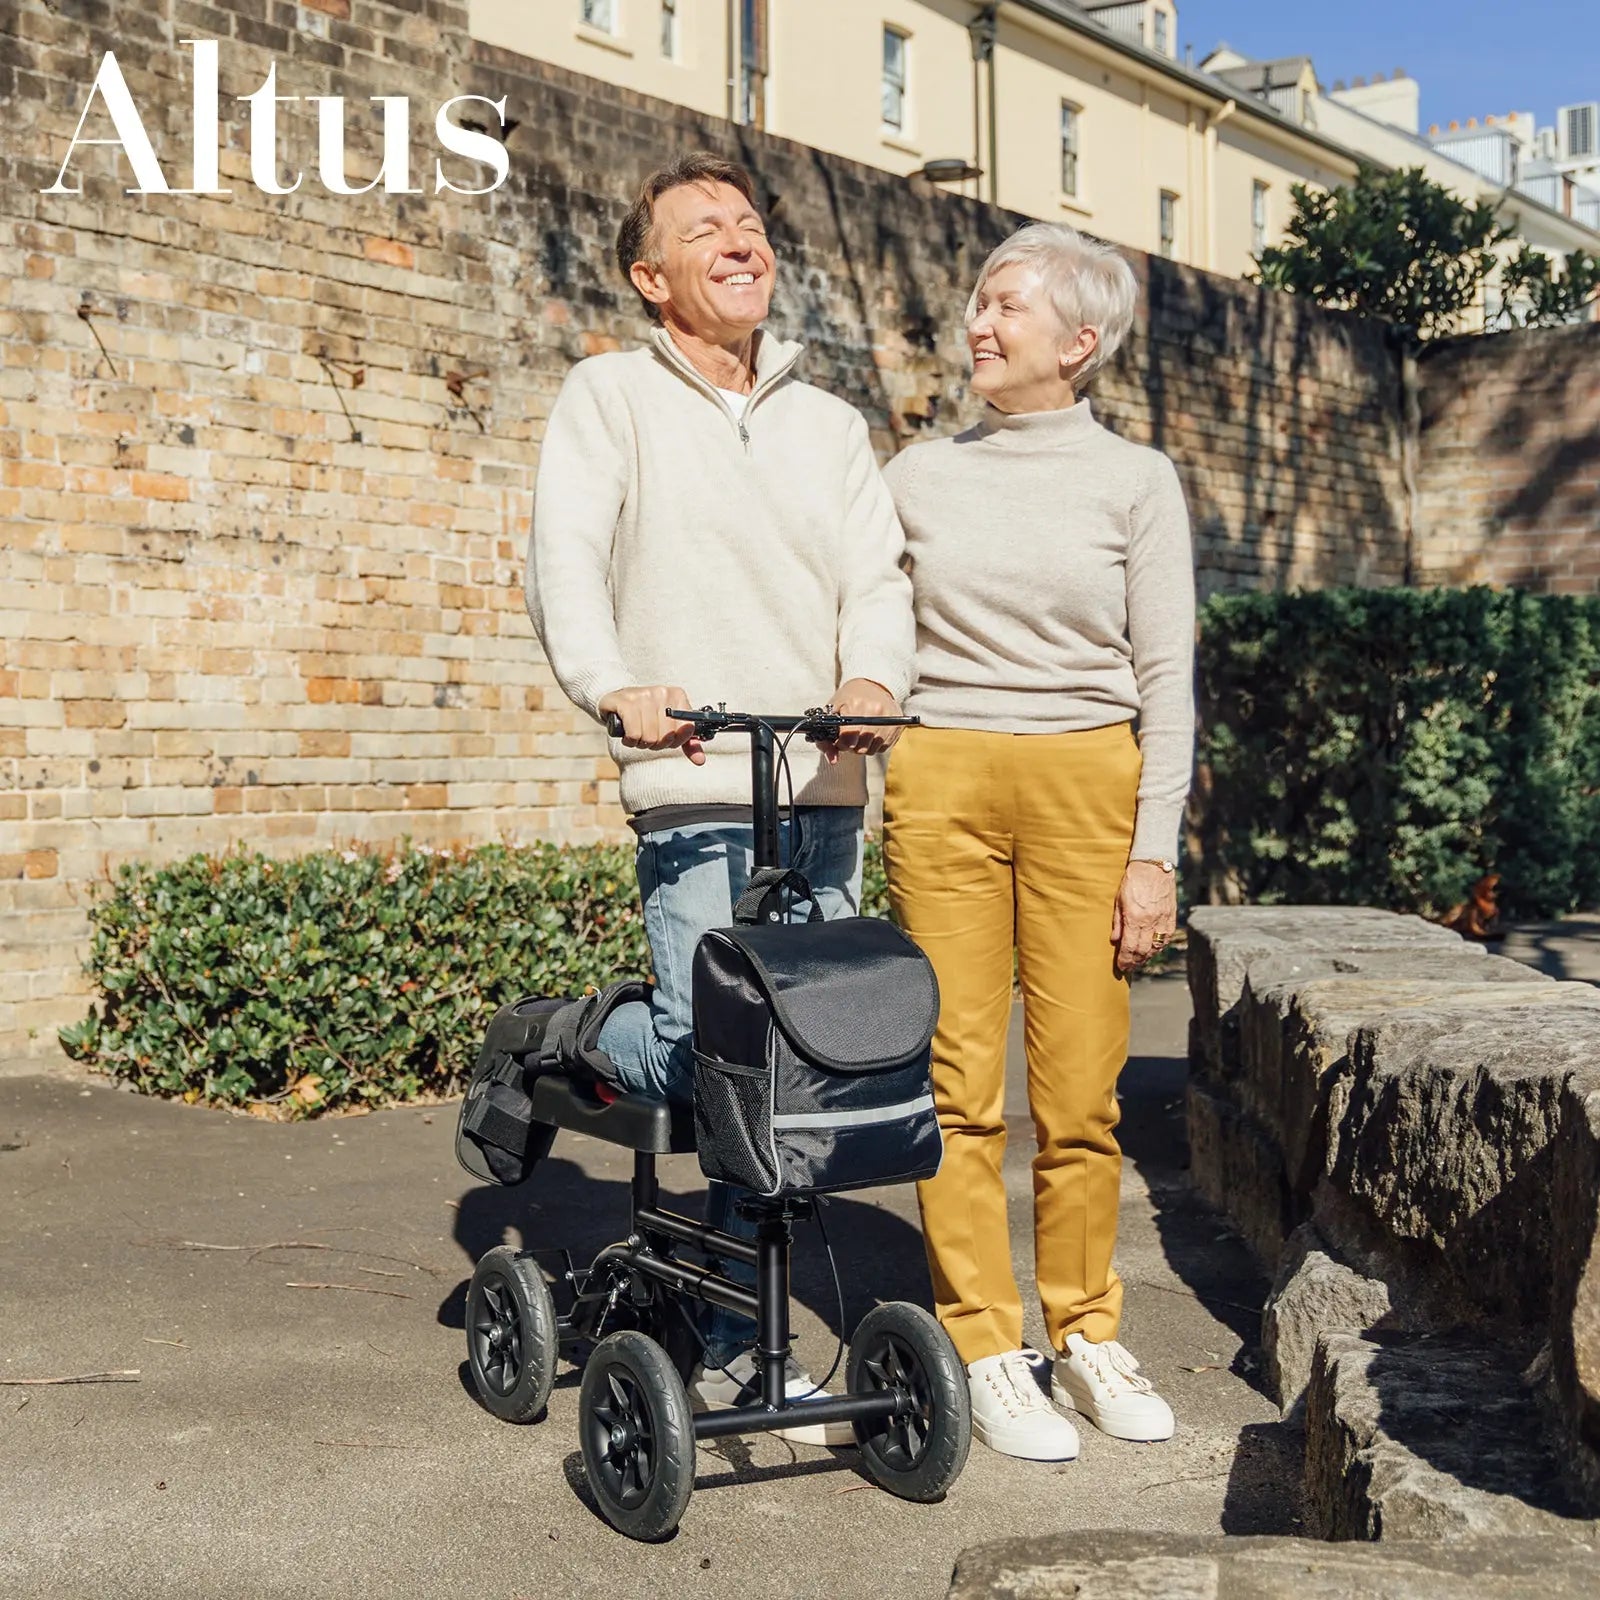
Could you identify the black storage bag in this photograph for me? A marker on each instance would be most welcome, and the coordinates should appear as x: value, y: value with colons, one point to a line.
x: 812, y: 1050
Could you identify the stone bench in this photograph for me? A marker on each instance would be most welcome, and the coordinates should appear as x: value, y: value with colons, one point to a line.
x: 1407, y: 1131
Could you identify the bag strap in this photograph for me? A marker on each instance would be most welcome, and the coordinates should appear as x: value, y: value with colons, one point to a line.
x: 764, y: 887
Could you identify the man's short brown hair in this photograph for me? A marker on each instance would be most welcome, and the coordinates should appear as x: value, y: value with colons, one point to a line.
x: 634, y: 241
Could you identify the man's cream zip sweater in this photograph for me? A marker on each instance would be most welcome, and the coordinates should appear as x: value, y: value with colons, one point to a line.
x: 750, y: 560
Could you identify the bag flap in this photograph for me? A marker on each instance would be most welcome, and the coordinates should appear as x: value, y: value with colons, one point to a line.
x: 854, y: 994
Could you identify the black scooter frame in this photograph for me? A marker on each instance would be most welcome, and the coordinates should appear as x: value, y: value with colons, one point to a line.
x: 648, y: 1254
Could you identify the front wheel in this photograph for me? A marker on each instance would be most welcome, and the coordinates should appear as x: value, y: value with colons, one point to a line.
x: 512, y: 1339
x: 636, y: 1431
x: 918, y: 1453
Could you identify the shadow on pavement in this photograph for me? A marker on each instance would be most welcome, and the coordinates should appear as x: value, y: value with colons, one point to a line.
x: 879, y: 1254
x: 1214, y: 1265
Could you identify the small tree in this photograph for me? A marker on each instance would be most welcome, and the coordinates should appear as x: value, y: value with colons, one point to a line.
x: 1393, y: 245
x: 1534, y: 295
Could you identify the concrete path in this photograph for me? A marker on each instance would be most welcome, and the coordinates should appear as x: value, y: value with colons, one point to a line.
x: 1568, y: 948
x: 301, y: 1441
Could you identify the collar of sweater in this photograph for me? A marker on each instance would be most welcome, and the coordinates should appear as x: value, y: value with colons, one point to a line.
x: 1036, y: 430
x: 775, y: 358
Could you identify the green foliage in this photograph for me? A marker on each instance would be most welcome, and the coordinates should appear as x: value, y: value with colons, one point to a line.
x: 1392, y: 245
x: 1389, y: 747
x: 1535, y: 295
x: 348, y: 978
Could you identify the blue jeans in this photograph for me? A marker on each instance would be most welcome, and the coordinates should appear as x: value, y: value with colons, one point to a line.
x: 689, y: 879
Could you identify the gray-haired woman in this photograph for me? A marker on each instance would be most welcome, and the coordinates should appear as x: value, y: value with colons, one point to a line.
x: 1054, y: 596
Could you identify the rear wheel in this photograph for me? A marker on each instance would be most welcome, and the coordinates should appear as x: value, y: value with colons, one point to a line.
x: 918, y: 1453
x: 512, y: 1340
x: 636, y: 1432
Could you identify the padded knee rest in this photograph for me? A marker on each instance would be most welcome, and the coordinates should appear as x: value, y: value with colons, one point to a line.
x: 650, y: 1126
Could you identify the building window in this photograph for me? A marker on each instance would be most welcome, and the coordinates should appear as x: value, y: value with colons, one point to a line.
x: 600, y: 15
x: 669, y: 29
x: 753, y: 63
x: 1258, y: 217
x: 1169, y: 223
x: 894, y: 80
x: 1580, y: 131
x: 1162, y: 25
x: 1069, y: 148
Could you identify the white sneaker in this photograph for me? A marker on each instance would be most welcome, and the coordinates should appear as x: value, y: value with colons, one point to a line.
x: 739, y: 1384
x: 1102, y: 1382
x: 1010, y: 1413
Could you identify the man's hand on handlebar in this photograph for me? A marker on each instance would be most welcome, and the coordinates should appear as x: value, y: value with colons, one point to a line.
x: 645, y: 723
x: 861, y: 697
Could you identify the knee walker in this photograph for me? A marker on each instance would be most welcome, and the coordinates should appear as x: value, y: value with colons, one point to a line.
x: 812, y: 1046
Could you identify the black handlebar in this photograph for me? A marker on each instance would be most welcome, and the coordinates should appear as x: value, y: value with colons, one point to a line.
x: 821, y: 724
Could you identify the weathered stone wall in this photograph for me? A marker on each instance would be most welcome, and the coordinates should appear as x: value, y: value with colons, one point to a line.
x: 263, y: 556
x: 1407, y: 1131
x: 1510, y: 480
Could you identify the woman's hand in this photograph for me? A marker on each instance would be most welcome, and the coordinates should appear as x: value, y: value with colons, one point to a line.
x: 1146, y: 913
x: 645, y: 723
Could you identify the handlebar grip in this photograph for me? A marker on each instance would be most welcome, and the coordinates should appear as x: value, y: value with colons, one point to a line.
x: 613, y: 724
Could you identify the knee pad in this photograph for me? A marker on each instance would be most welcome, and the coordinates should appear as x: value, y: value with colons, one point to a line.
x: 572, y: 1039
x: 497, y: 1139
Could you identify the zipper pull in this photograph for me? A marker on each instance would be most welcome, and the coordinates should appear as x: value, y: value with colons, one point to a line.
x: 744, y: 434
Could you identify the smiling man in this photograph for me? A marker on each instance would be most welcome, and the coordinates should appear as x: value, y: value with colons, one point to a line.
x: 708, y: 527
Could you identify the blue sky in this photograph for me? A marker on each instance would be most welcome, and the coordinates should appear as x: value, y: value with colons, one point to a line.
x: 1471, y: 58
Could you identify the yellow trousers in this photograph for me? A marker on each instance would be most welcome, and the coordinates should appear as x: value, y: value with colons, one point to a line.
x: 997, y: 843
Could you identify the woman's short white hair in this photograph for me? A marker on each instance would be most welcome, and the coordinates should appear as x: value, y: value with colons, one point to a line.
x: 1090, y: 284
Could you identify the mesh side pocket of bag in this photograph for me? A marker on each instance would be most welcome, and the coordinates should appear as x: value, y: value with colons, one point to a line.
x: 733, y: 1124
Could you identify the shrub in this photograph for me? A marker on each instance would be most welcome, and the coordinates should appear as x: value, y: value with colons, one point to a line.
x: 1389, y: 747
x: 350, y: 977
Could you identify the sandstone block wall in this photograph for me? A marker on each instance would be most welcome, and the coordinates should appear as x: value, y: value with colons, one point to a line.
x: 263, y: 551
x: 1510, y: 480
x: 263, y: 556
x: 1406, y: 1131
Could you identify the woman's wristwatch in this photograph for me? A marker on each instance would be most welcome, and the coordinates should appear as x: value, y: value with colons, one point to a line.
x: 1166, y: 864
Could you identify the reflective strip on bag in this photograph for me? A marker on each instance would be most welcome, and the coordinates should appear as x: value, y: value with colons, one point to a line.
x: 853, y: 1119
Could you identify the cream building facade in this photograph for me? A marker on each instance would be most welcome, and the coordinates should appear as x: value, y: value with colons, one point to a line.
x: 1080, y: 113
x: 1075, y: 110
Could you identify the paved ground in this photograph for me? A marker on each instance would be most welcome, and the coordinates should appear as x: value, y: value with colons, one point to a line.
x: 301, y: 1441
x: 1568, y: 948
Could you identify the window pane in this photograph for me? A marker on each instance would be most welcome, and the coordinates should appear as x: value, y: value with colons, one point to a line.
x: 1069, y: 150
x: 894, y: 79
x: 600, y: 14
x: 1161, y: 32
x: 669, y: 29
x: 894, y: 55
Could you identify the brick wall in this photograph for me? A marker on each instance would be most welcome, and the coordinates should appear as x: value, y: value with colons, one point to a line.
x: 1510, y: 481
x: 251, y: 599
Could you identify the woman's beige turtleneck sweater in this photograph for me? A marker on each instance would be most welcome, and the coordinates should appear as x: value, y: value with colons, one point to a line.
x: 1054, y: 590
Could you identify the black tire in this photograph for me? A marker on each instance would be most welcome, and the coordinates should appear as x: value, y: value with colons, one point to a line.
x: 919, y: 1454
x: 512, y: 1341
x: 636, y: 1432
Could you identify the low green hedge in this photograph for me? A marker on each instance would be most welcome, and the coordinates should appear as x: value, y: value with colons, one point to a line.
x: 1389, y: 747
x: 346, y: 978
